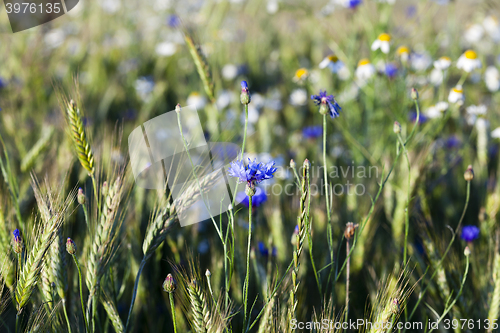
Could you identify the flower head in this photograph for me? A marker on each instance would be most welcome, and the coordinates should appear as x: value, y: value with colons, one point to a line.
x: 456, y: 95
x: 403, y: 53
x: 332, y: 62
x: 470, y: 233
x: 327, y: 103
x: 365, y: 70
x: 300, y: 75
x: 390, y: 70
x: 253, y: 173
x: 469, y: 61
x: 70, y: 246
x: 245, y: 94
x: 382, y: 42
x: 442, y: 63
x: 258, y: 198
x: 312, y: 132
x: 492, y: 78
x: 169, y: 285
x: 173, y: 21
x: 18, y: 241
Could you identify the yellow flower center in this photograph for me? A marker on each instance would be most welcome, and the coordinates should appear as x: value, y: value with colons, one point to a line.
x: 469, y: 54
x: 194, y: 94
x: 402, y: 49
x: 301, y: 72
x: 445, y: 58
x: 384, y: 37
x: 458, y: 90
x: 363, y: 62
x: 333, y: 58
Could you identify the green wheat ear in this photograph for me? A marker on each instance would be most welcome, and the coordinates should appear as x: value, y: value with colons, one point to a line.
x: 202, y: 67
x: 82, y: 146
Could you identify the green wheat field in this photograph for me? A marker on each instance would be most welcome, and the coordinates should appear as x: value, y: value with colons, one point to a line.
x: 367, y: 163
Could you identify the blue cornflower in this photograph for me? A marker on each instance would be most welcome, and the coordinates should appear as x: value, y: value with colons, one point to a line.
x: 312, y: 132
x: 452, y: 142
x: 354, y: 3
x: 412, y: 116
x: 18, y: 241
x: 263, y: 249
x: 173, y: 21
x: 258, y: 198
x: 390, y: 70
x: 253, y: 173
x: 470, y: 233
x: 327, y: 103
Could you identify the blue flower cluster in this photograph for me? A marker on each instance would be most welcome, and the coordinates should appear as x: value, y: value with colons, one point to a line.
x: 312, y: 132
x: 470, y: 233
x: 253, y: 173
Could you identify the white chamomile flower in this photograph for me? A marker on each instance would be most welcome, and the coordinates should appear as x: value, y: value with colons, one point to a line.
x: 403, y: 53
x: 300, y: 75
x: 196, y: 100
x: 383, y: 42
x: 456, y: 95
x: 442, y: 63
x: 365, y: 70
x: 476, y: 110
x: 432, y: 112
x: 474, y: 33
x: 436, y: 77
x: 492, y: 27
x: 229, y: 72
x: 469, y: 61
x: 298, y: 97
x: 165, y: 49
x: 496, y: 133
x: 492, y: 78
x: 420, y: 61
x: 442, y: 106
x: 332, y: 62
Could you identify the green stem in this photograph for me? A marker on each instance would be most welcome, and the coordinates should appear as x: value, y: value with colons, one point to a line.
x: 81, y: 291
x: 66, y: 315
x: 172, y: 308
x: 407, y: 216
x: 86, y: 215
x: 462, y: 78
x: 245, y: 291
x: 134, y: 292
x: 327, y: 190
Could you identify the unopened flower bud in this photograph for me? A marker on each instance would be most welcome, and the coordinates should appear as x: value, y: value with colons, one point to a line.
x: 395, y: 306
x: 70, y: 246
x: 104, y: 188
x: 250, y: 190
x: 467, y: 251
x: 208, y: 273
x: 80, y: 197
x: 397, y: 127
x: 350, y: 228
x: 169, y: 285
x: 469, y: 174
x: 414, y: 94
x: 292, y: 164
x: 245, y: 94
x: 324, y: 109
x: 178, y: 108
x: 306, y: 164
x: 17, y: 242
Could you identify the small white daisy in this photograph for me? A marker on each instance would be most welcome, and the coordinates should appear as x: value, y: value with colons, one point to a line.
x: 196, y: 100
x: 331, y: 62
x: 298, y: 97
x: 469, y: 61
x: 442, y: 63
x: 420, y: 61
x: 496, y: 133
x: 474, y: 33
x: 229, y: 72
x: 492, y: 27
x: 436, y: 77
x: 383, y: 42
x: 432, y: 112
x: 403, y: 53
x: 476, y: 110
x: 456, y: 95
x: 492, y: 78
x: 365, y: 70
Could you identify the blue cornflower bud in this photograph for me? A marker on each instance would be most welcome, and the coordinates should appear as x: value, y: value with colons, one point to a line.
x: 245, y: 94
x: 169, y: 285
x: 70, y: 246
x: 18, y: 241
x: 81, y: 197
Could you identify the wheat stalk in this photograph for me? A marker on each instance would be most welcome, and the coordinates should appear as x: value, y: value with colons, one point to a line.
x: 82, y: 146
x: 495, y: 297
x: 30, y: 158
x: 201, y: 66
